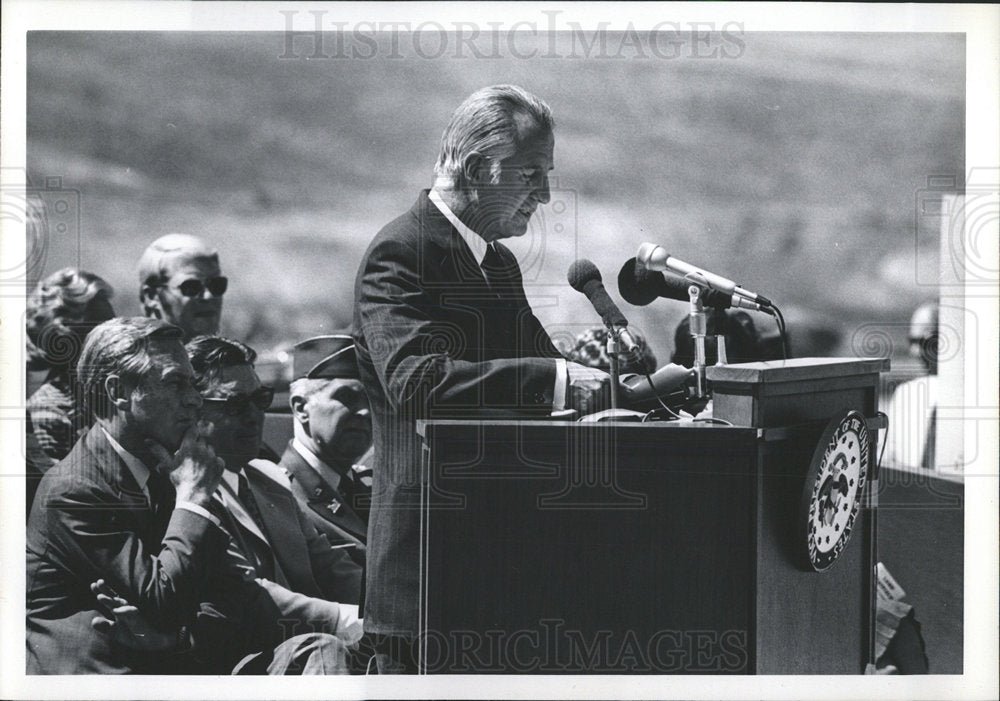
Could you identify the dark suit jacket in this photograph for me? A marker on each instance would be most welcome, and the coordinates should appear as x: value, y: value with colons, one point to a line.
x: 434, y: 341
x: 328, y: 509
x: 91, y: 521
x: 311, y: 579
x: 308, y: 563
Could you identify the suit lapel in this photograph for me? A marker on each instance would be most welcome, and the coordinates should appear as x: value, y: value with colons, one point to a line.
x: 103, y: 458
x: 242, y: 518
x: 100, y: 456
x: 254, y: 544
x: 454, y: 257
x: 278, y: 508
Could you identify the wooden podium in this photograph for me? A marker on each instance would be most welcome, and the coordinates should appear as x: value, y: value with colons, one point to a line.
x: 658, y: 548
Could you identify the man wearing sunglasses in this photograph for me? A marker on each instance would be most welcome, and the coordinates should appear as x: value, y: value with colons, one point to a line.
x: 264, y: 520
x: 181, y: 283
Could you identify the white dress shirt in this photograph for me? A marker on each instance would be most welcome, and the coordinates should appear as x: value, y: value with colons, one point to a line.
x: 477, y: 245
x: 141, y: 474
x: 331, y: 476
x: 228, y: 494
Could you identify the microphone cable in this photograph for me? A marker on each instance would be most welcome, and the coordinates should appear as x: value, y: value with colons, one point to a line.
x: 780, y: 319
x: 885, y: 441
x: 670, y: 412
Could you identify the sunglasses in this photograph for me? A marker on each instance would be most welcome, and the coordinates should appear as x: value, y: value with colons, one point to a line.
x: 196, y: 288
x: 236, y: 404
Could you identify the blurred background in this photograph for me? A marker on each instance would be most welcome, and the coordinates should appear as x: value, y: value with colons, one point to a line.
x: 797, y: 164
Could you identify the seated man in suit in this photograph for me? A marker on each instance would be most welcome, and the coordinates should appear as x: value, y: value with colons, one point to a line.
x: 181, y: 282
x: 332, y: 430
x: 132, y: 505
x: 108, y: 509
x: 268, y: 527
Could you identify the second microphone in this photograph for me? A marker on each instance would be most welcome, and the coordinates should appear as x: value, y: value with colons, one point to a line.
x: 583, y: 276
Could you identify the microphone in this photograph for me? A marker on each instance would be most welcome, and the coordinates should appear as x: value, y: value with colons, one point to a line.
x: 583, y: 276
x: 655, y: 257
x: 639, y: 286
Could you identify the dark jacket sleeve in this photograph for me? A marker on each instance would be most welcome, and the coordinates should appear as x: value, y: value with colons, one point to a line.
x: 414, y: 348
x: 98, y: 539
x: 244, y: 615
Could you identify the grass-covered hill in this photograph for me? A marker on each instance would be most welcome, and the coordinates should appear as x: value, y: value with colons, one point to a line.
x: 794, y: 167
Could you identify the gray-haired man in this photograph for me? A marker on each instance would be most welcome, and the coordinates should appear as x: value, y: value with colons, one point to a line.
x: 181, y: 282
x: 443, y: 329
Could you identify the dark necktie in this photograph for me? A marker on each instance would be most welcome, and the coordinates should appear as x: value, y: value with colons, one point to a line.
x: 161, y: 499
x: 498, y: 272
x: 346, y: 488
x: 250, y: 504
x: 262, y: 552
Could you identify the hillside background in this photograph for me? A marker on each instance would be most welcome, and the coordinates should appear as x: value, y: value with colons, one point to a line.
x: 796, y: 169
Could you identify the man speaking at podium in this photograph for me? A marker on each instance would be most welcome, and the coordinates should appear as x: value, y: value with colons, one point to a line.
x: 443, y: 330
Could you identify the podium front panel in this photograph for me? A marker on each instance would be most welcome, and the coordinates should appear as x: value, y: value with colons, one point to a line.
x: 569, y: 548
x: 588, y: 548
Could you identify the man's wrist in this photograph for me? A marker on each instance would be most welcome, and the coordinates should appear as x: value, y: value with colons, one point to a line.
x: 212, y: 511
x: 197, y: 497
x: 561, y: 387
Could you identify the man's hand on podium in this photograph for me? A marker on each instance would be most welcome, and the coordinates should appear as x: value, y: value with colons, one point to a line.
x: 589, y: 389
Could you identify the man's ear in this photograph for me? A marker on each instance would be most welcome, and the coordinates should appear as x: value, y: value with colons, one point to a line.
x: 475, y: 169
x: 117, y: 393
x: 151, y: 302
x: 300, y: 409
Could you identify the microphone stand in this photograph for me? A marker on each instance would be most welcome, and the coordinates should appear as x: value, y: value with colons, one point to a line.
x: 612, y: 350
x: 697, y: 325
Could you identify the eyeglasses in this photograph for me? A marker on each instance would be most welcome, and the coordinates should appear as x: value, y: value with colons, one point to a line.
x: 196, y: 288
x: 236, y: 404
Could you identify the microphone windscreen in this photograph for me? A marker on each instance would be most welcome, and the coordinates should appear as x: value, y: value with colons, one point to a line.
x: 635, y: 285
x: 581, y: 272
x: 639, y: 286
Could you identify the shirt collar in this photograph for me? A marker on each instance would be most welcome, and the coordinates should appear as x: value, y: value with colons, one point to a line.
x: 331, y: 476
x: 476, y: 243
x: 233, y: 479
x: 230, y: 497
x: 138, y: 469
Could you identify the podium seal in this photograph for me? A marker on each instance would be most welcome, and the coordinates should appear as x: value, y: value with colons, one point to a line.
x: 831, y: 495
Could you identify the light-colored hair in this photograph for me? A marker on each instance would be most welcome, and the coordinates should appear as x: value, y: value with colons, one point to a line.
x: 158, y: 259
x: 118, y: 347
x: 57, y: 313
x: 492, y: 122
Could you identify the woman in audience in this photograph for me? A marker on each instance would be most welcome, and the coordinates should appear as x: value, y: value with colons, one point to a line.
x: 60, y: 313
